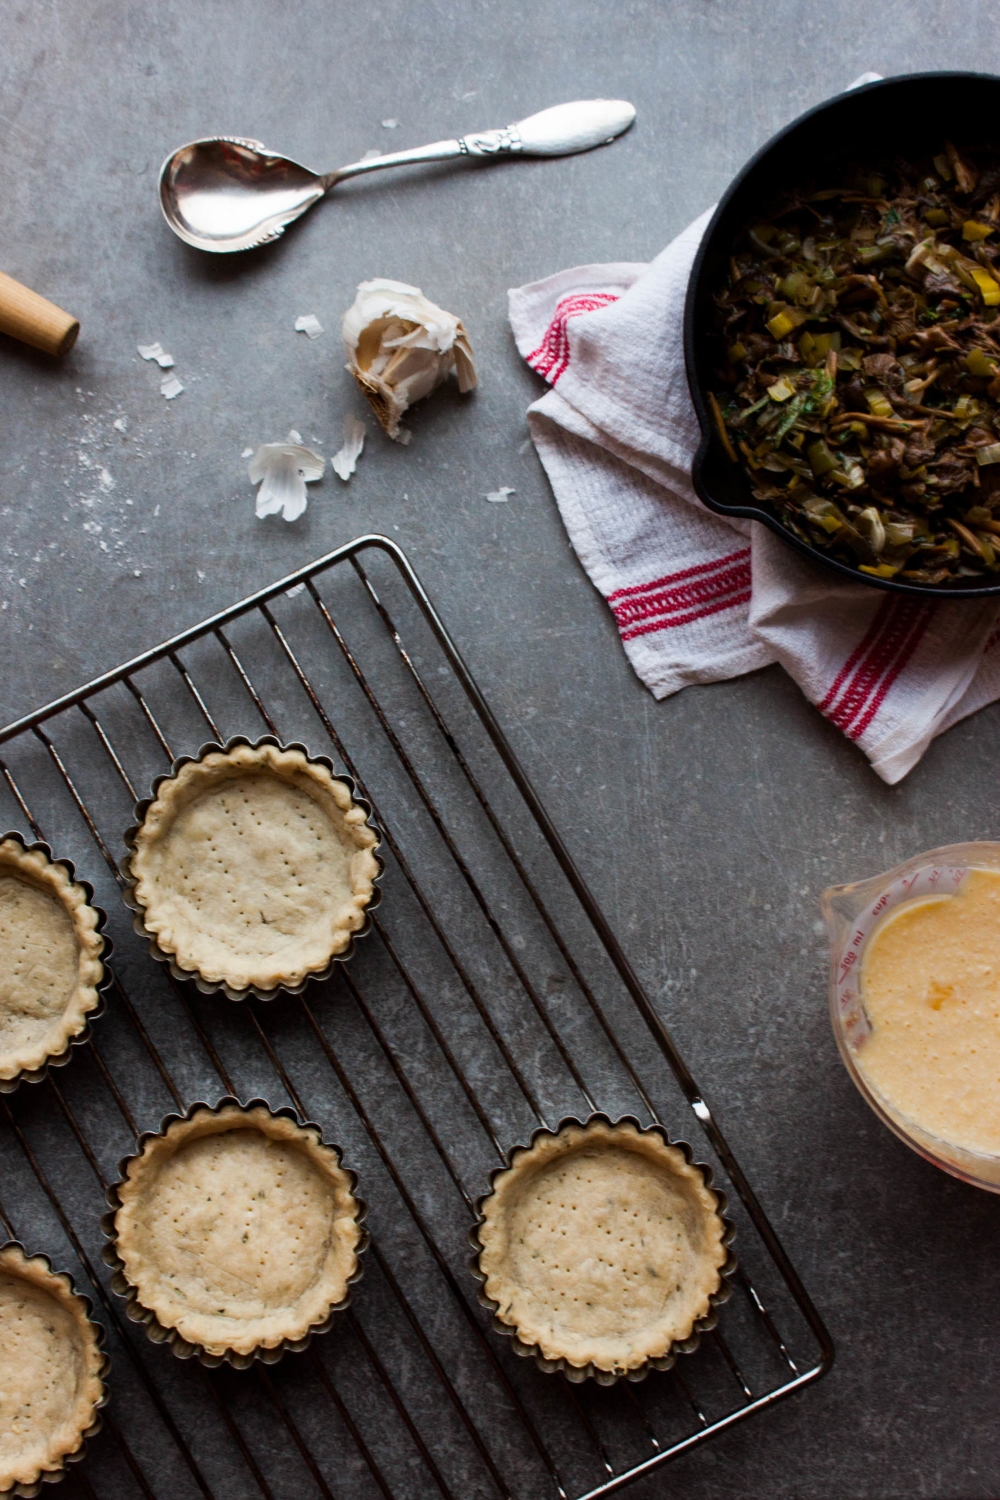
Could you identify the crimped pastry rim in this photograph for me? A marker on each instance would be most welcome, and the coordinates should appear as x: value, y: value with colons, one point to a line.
x: 37, y: 1270
x: 530, y: 1341
x: 35, y: 865
x: 152, y: 818
x: 157, y: 1311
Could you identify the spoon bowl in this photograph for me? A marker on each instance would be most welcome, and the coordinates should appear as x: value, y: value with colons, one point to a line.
x: 227, y: 193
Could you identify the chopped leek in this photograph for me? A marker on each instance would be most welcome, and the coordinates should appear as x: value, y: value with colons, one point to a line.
x: 869, y: 254
x: 822, y: 343
x: 820, y: 458
x: 798, y: 287
x: 988, y: 286
x: 978, y: 362
x: 789, y: 318
x: 878, y: 405
x: 973, y: 231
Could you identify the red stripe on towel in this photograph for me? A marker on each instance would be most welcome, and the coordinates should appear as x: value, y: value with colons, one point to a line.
x: 861, y: 685
x: 682, y: 597
x: 552, y: 355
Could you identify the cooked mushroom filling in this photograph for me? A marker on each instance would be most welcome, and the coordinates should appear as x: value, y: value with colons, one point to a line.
x: 859, y: 370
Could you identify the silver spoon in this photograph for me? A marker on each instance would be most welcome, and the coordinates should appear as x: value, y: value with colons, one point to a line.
x: 226, y: 193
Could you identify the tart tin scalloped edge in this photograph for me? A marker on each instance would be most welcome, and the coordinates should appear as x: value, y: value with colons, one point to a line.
x: 83, y: 1036
x: 156, y: 1331
x: 579, y: 1373
x: 207, y: 986
x: 52, y: 1476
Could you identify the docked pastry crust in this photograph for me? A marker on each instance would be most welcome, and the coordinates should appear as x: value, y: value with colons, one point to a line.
x: 601, y: 1244
x: 238, y: 1228
x: 253, y: 866
x: 50, y: 958
x: 50, y: 1369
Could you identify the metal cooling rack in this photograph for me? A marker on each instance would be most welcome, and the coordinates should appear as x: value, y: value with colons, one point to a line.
x: 490, y: 997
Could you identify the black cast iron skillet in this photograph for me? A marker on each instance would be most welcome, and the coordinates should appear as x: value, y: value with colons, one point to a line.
x: 911, y: 115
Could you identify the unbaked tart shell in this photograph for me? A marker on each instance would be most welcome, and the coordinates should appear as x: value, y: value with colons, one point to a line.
x: 602, y: 1249
x: 50, y: 958
x: 252, y: 868
x: 236, y: 1231
x: 51, y: 1369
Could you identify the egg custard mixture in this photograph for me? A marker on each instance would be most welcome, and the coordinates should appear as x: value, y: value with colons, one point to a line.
x: 930, y: 982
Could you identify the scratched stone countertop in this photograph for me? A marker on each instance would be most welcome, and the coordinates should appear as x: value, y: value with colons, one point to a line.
x: 707, y: 824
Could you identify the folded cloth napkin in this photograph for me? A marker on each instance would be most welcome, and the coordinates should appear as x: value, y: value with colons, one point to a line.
x: 696, y: 597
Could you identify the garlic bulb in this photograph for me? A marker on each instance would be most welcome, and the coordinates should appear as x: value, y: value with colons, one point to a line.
x: 400, y: 346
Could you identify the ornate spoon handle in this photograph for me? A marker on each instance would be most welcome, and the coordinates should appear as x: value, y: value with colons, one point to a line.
x: 553, y: 132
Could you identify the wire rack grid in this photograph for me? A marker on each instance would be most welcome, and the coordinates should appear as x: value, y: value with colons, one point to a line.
x: 491, y: 997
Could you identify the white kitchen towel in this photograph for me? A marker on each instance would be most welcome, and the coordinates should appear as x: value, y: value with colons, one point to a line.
x: 698, y: 598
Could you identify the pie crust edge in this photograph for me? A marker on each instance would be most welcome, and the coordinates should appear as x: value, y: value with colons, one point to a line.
x: 52, y: 877
x: 548, y: 1146
x: 327, y: 1293
x: 36, y: 1270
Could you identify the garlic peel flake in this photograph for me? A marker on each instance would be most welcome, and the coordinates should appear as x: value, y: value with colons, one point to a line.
x: 156, y: 351
x: 400, y: 346
x: 345, y: 460
x: 282, y: 470
x: 309, y: 324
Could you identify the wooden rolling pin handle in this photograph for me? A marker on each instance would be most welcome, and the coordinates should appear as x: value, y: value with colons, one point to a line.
x: 28, y: 317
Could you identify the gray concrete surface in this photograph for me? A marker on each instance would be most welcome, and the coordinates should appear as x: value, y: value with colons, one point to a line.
x: 713, y: 820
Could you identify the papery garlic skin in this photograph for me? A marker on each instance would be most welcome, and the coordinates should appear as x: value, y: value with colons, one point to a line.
x: 345, y: 460
x: 400, y: 345
x: 282, y: 471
